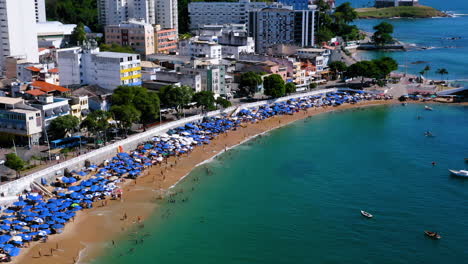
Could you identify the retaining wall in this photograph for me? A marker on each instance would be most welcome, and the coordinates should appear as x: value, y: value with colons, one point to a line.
x: 107, y: 152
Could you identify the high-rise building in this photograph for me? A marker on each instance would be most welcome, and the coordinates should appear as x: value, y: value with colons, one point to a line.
x: 282, y: 25
x: 161, y: 12
x: 136, y: 34
x: 219, y: 13
x: 39, y: 8
x: 18, y: 36
x: 296, y: 4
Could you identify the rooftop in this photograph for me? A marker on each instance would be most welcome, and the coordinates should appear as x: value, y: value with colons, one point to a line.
x: 118, y: 55
x: 9, y: 100
x: 35, y: 92
x: 23, y: 111
x: 48, y: 87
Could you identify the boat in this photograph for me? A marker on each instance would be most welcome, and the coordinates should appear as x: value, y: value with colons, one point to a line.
x: 466, y: 159
x: 427, y: 108
x: 460, y: 173
x: 433, y: 235
x: 366, y: 214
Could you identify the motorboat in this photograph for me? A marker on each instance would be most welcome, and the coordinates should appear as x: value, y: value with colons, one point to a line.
x: 466, y: 159
x: 433, y: 235
x: 427, y: 108
x: 428, y: 134
x: 460, y: 173
x: 366, y: 214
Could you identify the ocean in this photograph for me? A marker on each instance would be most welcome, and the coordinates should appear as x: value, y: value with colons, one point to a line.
x: 432, y: 34
x: 294, y: 195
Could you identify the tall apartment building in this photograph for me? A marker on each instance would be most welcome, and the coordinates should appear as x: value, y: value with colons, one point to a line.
x: 161, y: 12
x: 166, y: 39
x: 18, y: 36
x: 200, y: 47
x: 136, y: 34
x: 211, y: 13
x: 296, y: 4
x: 86, y: 65
x: 282, y: 25
x: 39, y: 8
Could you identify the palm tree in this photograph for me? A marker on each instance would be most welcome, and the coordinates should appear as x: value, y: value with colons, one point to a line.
x: 442, y: 72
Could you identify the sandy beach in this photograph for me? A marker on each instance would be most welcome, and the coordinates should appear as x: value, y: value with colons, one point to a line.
x: 95, y: 229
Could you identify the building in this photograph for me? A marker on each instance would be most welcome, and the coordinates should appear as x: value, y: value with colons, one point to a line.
x: 87, y: 66
x: 18, y: 36
x: 282, y: 25
x: 166, y: 14
x: 296, y: 4
x: 166, y: 39
x: 51, y: 107
x: 233, y: 38
x: 19, y: 121
x: 79, y: 106
x: 319, y: 57
x: 30, y: 72
x: 213, y: 76
x: 393, y: 3
x: 134, y: 33
x: 193, y: 80
x: 200, y: 47
x: 54, y: 34
x: 212, y: 13
x: 40, y: 10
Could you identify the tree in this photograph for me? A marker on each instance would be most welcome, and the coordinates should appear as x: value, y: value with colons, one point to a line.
x: 248, y: 83
x: 126, y: 115
x: 274, y: 86
x: 145, y: 102
x: 337, y: 67
x: 362, y: 69
x: 14, y: 162
x: 62, y: 125
x: 97, y: 122
x: 382, y: 34
x: 385, y: 66
x: 290, y: 88
x: 442, y: 72
x: 205, y: 100
x: 78, y: 35
x: 324, y: 35
x: 224, y: 103
x: 176, y: 97
x: 74, y: 12
x: 116, y: 48
x: 345, y: 13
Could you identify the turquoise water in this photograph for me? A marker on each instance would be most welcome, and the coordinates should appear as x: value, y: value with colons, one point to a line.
x: 430, y: 33
x: 294, y: 195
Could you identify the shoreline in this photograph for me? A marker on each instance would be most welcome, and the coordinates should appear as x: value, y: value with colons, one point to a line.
x: 95, y: 230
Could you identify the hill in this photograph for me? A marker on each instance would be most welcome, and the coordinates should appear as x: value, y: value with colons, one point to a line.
x: 400, y: 11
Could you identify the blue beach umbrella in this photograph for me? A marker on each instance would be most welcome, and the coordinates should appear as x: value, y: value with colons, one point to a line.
x: 57, y: 226
x: 20, y: 203
x: 4, y: 238
x: 8, y: 211
x: 14, y: 252
x: 5, y: 227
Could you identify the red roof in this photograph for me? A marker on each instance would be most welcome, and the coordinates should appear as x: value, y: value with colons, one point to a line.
x: 42, y: 49
x: 54, y: 70
x: 35, y: 92
x: 48, y: 87
x: 34, y: 69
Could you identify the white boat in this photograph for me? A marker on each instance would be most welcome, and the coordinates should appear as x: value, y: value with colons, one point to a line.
x: 427, y: 108
x: 460, y: 173
x: 366, y: 214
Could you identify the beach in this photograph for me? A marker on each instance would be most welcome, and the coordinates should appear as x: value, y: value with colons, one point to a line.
x: 95, y: 229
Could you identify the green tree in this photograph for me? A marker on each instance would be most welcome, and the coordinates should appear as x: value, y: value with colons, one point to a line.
x: 223, y: 102
x: 363, y: 69
x: 345, y: 13
x: 290, y: 88
x: 97, y: 122
x: 442, y: 72
x: 74, y: 12
x: 385, y: 66
x: 324, y: 34
x: 337, y: 67
x: 116, y: 48
x: 62, y: 125
x: 205, y: 100
x: 78, y: 35
x: 274, y: 86
x: 382, y: 35
x: 145, y: 102
x: 176, y: 97
x: 126, y: 115
x: 14, y: 162
x: 248, y: 83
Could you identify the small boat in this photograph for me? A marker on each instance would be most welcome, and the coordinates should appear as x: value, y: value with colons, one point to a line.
x: 433, y: 235
x: 366, y: 214
x: 460, y: 173
x: 466, y: 159
x: 427, y: 108
x: 428, y: 134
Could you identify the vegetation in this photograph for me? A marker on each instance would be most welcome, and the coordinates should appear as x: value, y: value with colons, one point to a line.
x: 274, y: 86
x: 78, y: 35
x: 136, y: 101
x: 337, y: 67
x: 375, y: 69
x: 442, y: 72
x: 14, y: 162
x: 336, y: 24
x: 382, y: 35
x: 116, y: 48
x: 248, y: 83
x: 60, y: 126
x: 97, y: 122
x: 74, y: 12
x: 205, y: 100
x: 290, y: 88
x: 400, y: 11
x: 176, y: 97
x: 223, y: 102
x: 426, y: 69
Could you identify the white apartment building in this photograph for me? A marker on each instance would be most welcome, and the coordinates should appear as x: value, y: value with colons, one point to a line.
x: 18, y: 36
x: 40, y: 10
x: 53, y: 33
x: 201, y: 48
x: 160, y: 12
x: 211, y: 13
x: 20, y: 120
x: 86, y: 65
x: 51, y: 107
x: 233, y: 38
x: 213, y: 76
